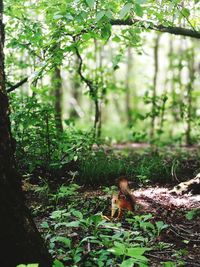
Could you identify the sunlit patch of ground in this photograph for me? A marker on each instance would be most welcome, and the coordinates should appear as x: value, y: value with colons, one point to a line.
x: 162, y: 196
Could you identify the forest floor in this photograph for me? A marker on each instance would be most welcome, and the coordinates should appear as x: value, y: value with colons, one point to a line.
x: 166, y: 223
x: 179, y: 242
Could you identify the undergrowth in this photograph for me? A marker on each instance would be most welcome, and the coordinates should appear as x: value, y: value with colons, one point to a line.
x: 78, y: 235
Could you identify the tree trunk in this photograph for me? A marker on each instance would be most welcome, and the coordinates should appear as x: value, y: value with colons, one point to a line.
x: 97, y: 117
x: 75, y: 110
x: 19, y: 236
x: 191, y: 70
x: 128, y: 93
x: 57, y: 89
x: 153, y: 110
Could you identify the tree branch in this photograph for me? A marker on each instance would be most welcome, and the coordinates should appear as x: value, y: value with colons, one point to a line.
x: 169, y: 29
x: 88, y: 82
x: 13, y: 87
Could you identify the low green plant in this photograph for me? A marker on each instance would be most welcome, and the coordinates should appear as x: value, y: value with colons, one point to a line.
x: 192, y: 213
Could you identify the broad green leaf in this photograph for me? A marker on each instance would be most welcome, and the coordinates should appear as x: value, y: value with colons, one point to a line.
x: 109, y: 14
x: 125, y: 10
x: 78, y: 214
x: 141, y: 264
x: 106, y: 32
x: 100, y: 15
x: 138, y: 10
x: 185, y: 12
x: 116, y: 251
x: 66, y: 241
x: 69, y: 16
x: 128, y: 263
x: 119, y: 245
x: 90, y: 3
x: 140, y: 1
x: 73, y: 224
x: 191, y: 214
x: 116, y: 39
x: 137, y: 251
x: 45, y: 225
x: 169, y: 264
x: 58, y: 16
x: 58, y: 263
x: 116, y: 61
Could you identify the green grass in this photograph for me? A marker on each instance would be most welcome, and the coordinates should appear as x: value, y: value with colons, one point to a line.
x: 140, y: 168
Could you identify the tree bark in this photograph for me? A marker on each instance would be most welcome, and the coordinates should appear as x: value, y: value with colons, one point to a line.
x: 161, y: 28
x: 191, y: 70
x: 128, y: 92
x: 153, y: 110
x: 57, y: 89
x: 19, y: 236
x: 75, y: 110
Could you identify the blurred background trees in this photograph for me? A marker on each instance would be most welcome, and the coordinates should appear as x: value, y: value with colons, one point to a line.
x: 102, y: 69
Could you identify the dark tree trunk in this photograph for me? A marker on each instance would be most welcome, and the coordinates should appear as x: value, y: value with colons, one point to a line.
x: 57, y: 89
x: 190, y: 85
x: 19, y: 236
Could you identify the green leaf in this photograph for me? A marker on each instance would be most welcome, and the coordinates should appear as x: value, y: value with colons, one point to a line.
x: 106, y: 32
x: 90, y: 3
x: 66, y: 241
x: 119, y: 249
x: 140, y: 1
x: 185, y: 12
x: 138, y: 10
x: 58, y: 263
x: 100, y: 15
x: 191, y: 214
x: 169, y: 264
x: 109, y: 14
x: 45, y: 225
x: 86, y: 36
x: 116, y: 60
x: 137, y: 251
x: 73, y: 224
x: 58, y: 16
x: 116, y: 39
x: 78, y: 214
x: 116, y: 251
x: 125, y: 10
x: 128, y: 263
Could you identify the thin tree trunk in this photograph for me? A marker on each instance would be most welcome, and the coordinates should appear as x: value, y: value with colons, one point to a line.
x: 19, y: 236
x: 75, y: 109
x: 96, y: 97
x: 128, y: 92
x: 153, y: 110
x: 57, y: 89
x: 189, y: 97
x: 103, y: 91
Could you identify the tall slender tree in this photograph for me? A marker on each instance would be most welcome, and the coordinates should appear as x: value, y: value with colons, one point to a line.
x: 191, y: 70
x: 128, y: 91
x: 19, y: 236
x: 153, y: 110
x: 57, y: 90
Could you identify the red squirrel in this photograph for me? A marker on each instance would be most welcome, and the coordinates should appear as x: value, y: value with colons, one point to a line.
x: 124, y: 200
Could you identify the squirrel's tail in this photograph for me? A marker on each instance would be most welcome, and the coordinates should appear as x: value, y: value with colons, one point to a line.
x: 125, y: 190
